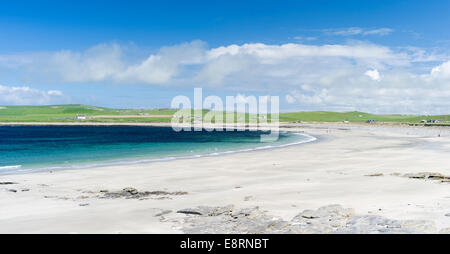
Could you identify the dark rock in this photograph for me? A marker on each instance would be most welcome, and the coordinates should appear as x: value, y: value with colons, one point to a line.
x: 7, y: 183
x: 131, y: 190
x: 427, y: 176
x: 375, y: 174
x: 190, y: 211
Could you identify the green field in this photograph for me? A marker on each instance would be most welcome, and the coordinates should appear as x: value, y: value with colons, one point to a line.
x: 357, y: 117
x: 68, y: 113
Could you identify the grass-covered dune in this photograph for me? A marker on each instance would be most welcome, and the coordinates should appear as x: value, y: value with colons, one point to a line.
x: 68, y: 113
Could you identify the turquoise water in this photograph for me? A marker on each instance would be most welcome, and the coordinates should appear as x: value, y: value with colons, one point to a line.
x: 38, y: 148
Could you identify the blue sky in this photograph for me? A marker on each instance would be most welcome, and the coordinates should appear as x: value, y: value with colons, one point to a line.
x: 377, y: 56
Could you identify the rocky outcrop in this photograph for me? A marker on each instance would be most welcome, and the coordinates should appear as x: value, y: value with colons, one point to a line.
x: 133, y: 193
x: 332, y: 219
x: 426, y: 176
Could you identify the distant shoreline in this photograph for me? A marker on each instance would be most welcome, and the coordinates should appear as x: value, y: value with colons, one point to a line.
x: 81, y: 114
x: 168, y: 124
x: 162, y: 124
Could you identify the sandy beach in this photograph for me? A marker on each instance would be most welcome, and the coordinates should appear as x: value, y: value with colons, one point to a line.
x: 362, y: 167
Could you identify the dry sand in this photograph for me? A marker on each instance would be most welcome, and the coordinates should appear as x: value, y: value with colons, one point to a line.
x: 282, y: 181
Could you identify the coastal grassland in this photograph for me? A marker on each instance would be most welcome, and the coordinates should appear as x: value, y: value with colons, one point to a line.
x: 356, y: 117
x: 68, y: 113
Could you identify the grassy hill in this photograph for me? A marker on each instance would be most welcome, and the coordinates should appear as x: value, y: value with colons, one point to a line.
x: 68, y: 113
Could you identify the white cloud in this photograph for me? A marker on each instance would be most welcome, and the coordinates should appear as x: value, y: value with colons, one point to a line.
x: 441, y: 71
x: 273, y: 52
x: 290, y: 99
x: 308, y: 38
x: 359, y: 31
x: 96, y: 64
x: 241, y: 98
x: 380, y: 31
x: 55, y: 93
x: 347, y: 31
x: 165, y: 65
x: 316, y: 98
x: 373, y: 74
x: 396, y: 92
x: 24, y: 95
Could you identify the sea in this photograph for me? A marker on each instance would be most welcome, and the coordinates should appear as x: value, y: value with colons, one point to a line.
x: 26, y: 149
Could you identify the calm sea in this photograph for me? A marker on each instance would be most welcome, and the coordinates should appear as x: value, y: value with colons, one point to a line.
x: 39, y: 148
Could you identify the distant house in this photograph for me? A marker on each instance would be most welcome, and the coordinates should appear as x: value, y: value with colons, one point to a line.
x: 435, y: 121
x: 196, y: 118
x: 81, y: 117
x: 371, y: 121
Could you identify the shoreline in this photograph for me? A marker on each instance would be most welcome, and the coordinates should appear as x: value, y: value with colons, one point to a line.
x: 359, y: 167
x: 282, y: 126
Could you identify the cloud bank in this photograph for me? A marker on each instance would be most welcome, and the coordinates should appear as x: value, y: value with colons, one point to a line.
x: 23, y: 95
x: 356, y: 76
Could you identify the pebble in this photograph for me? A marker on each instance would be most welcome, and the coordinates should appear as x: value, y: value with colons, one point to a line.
x: 163, y: 213
x: 375, y: 174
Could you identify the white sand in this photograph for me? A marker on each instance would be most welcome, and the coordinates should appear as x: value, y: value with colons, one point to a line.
x: 282, y: 181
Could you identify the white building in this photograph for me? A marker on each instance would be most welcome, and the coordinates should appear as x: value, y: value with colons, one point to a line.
x: 81, y: 117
